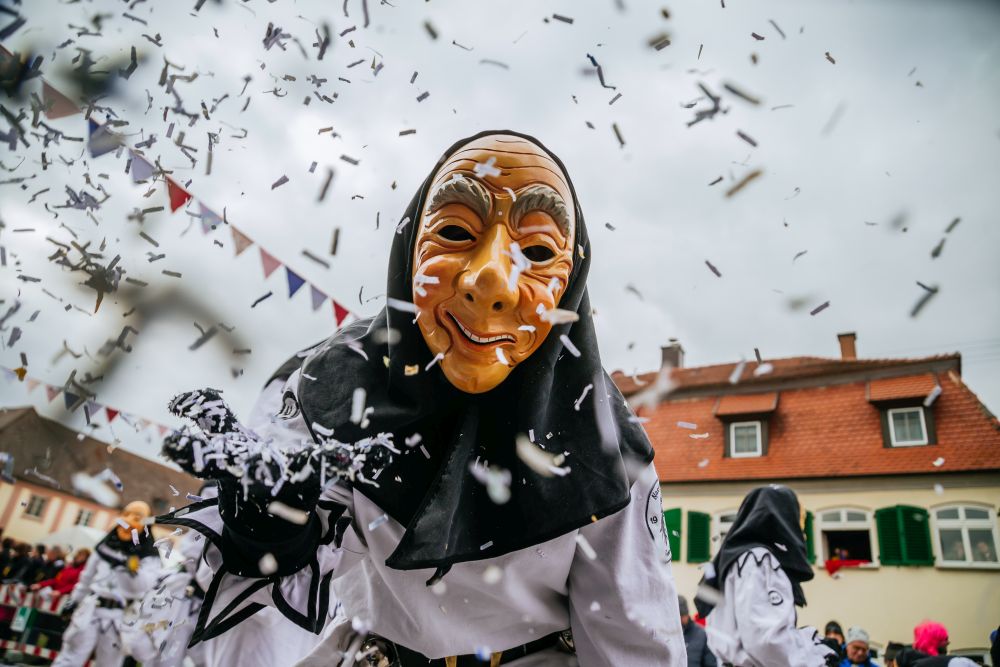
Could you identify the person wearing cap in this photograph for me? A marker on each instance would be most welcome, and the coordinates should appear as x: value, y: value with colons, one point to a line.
x: 695, y: 639
x: 857, y: 649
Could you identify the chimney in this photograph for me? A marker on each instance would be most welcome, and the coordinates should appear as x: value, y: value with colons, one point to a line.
x: 847, y: 349
x: 673, y: 354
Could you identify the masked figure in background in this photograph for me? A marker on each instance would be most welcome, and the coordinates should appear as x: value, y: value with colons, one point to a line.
x: 459, y: 468
x: 124, y: 566
x: 759, y: 572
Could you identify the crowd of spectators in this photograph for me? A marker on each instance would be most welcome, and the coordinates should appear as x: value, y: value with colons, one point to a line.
x: 39, y: 566
x: 929, y: 648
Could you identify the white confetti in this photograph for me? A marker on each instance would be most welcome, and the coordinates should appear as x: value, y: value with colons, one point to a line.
x: 938, y: 489
x: 399, y: 304
x: 402, y: 224
x: 572, y: 349
x: 437, y: 357
x: 501, y: 357
x: 595, y: 606
x: 585, y: 547
x: 290, y: 514
x: 95, y: 488
x: 781, y: 546
x: 556, y: 315
x: 135, y: 536
x: 938, y: 462
x: 377, y: 521
x: 702, y: 463
x: 439, y: 588
x: 267, y: 564
x: 577, y: 402
x: 687, y: 425
x: 536, y: 458
x: 763, y: 369
x: 413, y: 440
x: 526, y: 327
x: 492, y: 575
x: 358, y: 405
x: 734, y: 377
x: 486, y: 546
x: 698, y: 436
x: 174, y: 490
x: 933, y: 396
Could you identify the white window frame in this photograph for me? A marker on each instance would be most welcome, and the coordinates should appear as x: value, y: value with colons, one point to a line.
x: 892, y: 430
x: 732, y: 440
x: 90, y: 514
x: 964, y: 525
x: 41, y: 510
x: 716, y: 525
x: 820, y: 524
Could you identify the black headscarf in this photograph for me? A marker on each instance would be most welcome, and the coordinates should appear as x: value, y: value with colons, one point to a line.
x: 117, y: 551
x: 769, y: 518
x: 447, y: 513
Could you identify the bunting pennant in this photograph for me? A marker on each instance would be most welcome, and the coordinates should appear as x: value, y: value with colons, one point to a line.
x: 101, y: 139
x: 72, y: 401
x: 56, y: 104
x: 144, y: 423
x: 241, y: 241
x: 178, y: 195
x: 209, y: 219
x: 141, y: 169
x: 269, y: 262
x: 9, y: 375
x: 92, y: 408
x: 295, y: 282
x: 161, y: 429
x: 317, y: 296
x: 32, y: 384
x: 111, y: 413
x: 51, y: 392
x: 339, y: 312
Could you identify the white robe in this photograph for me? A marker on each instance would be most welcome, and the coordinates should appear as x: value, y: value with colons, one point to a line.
x: 609, y: 581
x: 754, y: 624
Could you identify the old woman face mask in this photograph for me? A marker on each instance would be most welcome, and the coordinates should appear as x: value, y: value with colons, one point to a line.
x: 492, y: 258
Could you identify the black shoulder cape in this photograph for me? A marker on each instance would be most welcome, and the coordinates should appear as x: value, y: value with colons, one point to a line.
x: 429, y: 489
x: 117, y: 551
x: 769, y: 518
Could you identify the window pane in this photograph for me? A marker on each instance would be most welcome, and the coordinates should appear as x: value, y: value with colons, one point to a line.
x: 984, y: 549
x: 745, y: 440
x: 951, y: 545
x: 906, y: 426
x: 831, y: 516
x: 855, y: 516
x: 950, y: 513
x: 976, y: 513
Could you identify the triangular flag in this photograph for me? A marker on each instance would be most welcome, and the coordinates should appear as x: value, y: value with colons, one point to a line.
x: 32, y: 384
x: 317, y: 297
x: 178, y: 195
x: 240, y: 240
x: 93, y: 408
x: 269, y: 262
x: 161, y: 429
x: 51, y: 392
x: 9, y: 375
x: 72, y: 401
x: 102, y: 140
x: 57, y: 105
x: 339, y: 312
x: 111, y: 413
x: 141, y: 168
x: 295, y: 282
x: 144, y: 423
x: 209, y: 219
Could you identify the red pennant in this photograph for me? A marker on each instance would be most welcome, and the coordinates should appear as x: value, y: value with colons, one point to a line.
x: 111, y: 413
x: 162, y: 429
x: 57, y: 105
x: 178, y: 195
x: 51, y: 392
x: 241, y: 241
x: 339, y: 312
x: 269, y: 262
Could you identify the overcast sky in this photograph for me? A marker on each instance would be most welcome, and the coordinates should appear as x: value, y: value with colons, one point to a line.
x: 876, y: 128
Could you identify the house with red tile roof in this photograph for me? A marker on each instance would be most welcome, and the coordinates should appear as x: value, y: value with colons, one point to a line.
x: 896, y: 461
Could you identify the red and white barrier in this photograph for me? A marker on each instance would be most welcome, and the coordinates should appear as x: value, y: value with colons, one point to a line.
x: 45, y: 600
x: 37, y: 651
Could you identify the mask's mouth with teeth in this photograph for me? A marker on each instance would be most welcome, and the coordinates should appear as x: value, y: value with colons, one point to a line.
x: 475, y: 338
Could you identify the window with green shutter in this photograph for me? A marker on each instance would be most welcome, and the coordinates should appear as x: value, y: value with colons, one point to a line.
x: 699, y: 537
x: 904, y: 536
x: 672, y: 522
x: 810, y: 538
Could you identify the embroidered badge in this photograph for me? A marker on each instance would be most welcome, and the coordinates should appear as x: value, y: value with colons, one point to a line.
x: 774, y: 597
x: 289, y: 406
x: 654, y: 519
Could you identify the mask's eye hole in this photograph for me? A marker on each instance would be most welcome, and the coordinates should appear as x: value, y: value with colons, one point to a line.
x: 455, y: 233
x: 538, y: 253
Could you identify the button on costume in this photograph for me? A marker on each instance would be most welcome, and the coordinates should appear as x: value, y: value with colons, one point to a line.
x: 122, y: 569
x: 458, y: 471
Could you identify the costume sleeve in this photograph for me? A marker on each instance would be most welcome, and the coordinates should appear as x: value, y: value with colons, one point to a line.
x: 765, y: 610
x: 623, y: 604
x: 82, y: 589
x: 292, y: 575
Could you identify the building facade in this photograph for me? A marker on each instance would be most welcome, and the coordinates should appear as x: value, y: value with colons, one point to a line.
x: 895, y: 460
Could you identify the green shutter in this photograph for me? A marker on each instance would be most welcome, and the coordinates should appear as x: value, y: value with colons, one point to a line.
x: 916, y: 536
x: 672, y: 522
x: 810, y: 538
x: 904, y: 536
x: 699, y: 537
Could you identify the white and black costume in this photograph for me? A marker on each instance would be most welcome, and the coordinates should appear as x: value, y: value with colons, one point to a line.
x: 406, y: 533
x: 118, y: 574
x: 758, y: 571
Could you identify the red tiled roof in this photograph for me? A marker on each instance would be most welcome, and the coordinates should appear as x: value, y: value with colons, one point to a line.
x: 829, y: 430
x: 747, y: 404
x: 907, y: 386
x: 769, y: 371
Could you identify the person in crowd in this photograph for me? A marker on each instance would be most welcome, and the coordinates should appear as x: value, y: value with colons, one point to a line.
x: 66, y: 579
x: 759, y: 572
x: 931, y: 638
x: 19, y: 565
x: 892, y: 649
x: 124, y: 566
x: 695, y: 639
x: 55, y: 561
x: 833, y: 636
x: 857, y: 650
x: 6, y: 553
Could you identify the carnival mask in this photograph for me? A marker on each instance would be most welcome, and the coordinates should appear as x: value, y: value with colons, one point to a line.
x: 492, y: 258
x: 134, y: 514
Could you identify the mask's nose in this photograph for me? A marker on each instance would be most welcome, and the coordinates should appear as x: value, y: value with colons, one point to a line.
x: 485, y: 282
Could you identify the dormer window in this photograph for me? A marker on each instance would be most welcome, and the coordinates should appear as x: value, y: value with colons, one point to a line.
x: 745, y: 439
x: 907, y: 427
